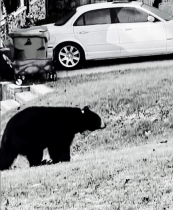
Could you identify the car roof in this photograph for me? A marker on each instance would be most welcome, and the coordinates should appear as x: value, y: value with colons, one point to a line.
x: 104, y: 5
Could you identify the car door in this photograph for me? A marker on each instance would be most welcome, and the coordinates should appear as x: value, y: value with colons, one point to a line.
x: 138, y: 36
x: 93, y: 29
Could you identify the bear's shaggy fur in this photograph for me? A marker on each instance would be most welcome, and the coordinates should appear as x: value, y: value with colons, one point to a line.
x: 32, y: 130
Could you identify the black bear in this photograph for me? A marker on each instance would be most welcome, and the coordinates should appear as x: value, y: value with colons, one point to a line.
x: 33, y: 129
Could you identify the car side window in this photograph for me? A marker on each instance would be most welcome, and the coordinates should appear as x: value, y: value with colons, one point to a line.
x: 94, y: 17
x: 98, y: 17
x: 129, y: 15
x: 79, y: 21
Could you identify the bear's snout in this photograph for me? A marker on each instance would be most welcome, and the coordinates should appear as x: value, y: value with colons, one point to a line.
x: 102, y: 125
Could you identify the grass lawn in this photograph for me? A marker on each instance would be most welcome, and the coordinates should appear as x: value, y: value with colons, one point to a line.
x: 128, y: 165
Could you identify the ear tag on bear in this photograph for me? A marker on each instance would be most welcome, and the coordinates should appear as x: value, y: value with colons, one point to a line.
x: 82, y: 111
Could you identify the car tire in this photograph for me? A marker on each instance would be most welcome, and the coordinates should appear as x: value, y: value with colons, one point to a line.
x: 69, y: 56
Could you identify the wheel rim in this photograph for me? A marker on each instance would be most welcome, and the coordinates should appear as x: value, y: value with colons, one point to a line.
x: 69, y: 56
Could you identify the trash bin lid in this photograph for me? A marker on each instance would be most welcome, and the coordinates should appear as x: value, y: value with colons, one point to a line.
x: 35, y: 31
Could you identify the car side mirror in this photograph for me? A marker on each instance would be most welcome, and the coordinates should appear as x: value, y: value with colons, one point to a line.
x: 150, y: 18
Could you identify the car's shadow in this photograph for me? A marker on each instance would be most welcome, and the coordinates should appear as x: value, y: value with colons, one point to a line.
x: 111, y: 62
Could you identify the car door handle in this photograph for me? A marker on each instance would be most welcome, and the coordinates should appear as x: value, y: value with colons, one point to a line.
x: 83, y: 32
x: 126, y: 29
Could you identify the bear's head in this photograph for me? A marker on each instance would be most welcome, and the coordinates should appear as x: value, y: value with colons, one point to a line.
x: 92, y: 121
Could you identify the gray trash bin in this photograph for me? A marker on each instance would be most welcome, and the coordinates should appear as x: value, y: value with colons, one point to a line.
x: 30, y: 43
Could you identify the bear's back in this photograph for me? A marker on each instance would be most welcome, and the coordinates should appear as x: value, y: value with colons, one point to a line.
x: 48, y: 118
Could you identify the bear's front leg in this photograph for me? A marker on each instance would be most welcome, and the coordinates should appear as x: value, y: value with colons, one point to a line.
x: 65, y: 146
x: 65, y: 154
x: 54, y: 153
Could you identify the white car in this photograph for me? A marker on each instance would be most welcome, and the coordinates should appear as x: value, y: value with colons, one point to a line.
x: 110, y: 30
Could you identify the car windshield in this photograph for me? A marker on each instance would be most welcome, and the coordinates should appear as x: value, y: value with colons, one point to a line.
x: 158, y: 12
x: 64, y: 19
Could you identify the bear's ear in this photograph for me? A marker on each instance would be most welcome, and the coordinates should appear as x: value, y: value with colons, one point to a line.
x: 86, y: 108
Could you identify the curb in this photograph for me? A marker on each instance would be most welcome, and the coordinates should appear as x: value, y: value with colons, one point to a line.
x: 40, y: 90
x: 24, y: 97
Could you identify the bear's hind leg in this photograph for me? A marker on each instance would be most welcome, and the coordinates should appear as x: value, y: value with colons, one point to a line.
x: 54, y: 153
x: 35, y: 157
x: 6, y: 158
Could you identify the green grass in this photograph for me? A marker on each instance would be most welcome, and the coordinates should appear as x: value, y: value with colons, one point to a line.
x: 138, y: 109
x: 136, y: 105
x: 136, y: 178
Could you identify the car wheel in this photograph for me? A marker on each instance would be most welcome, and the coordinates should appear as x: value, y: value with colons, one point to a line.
x: 69, y: 56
